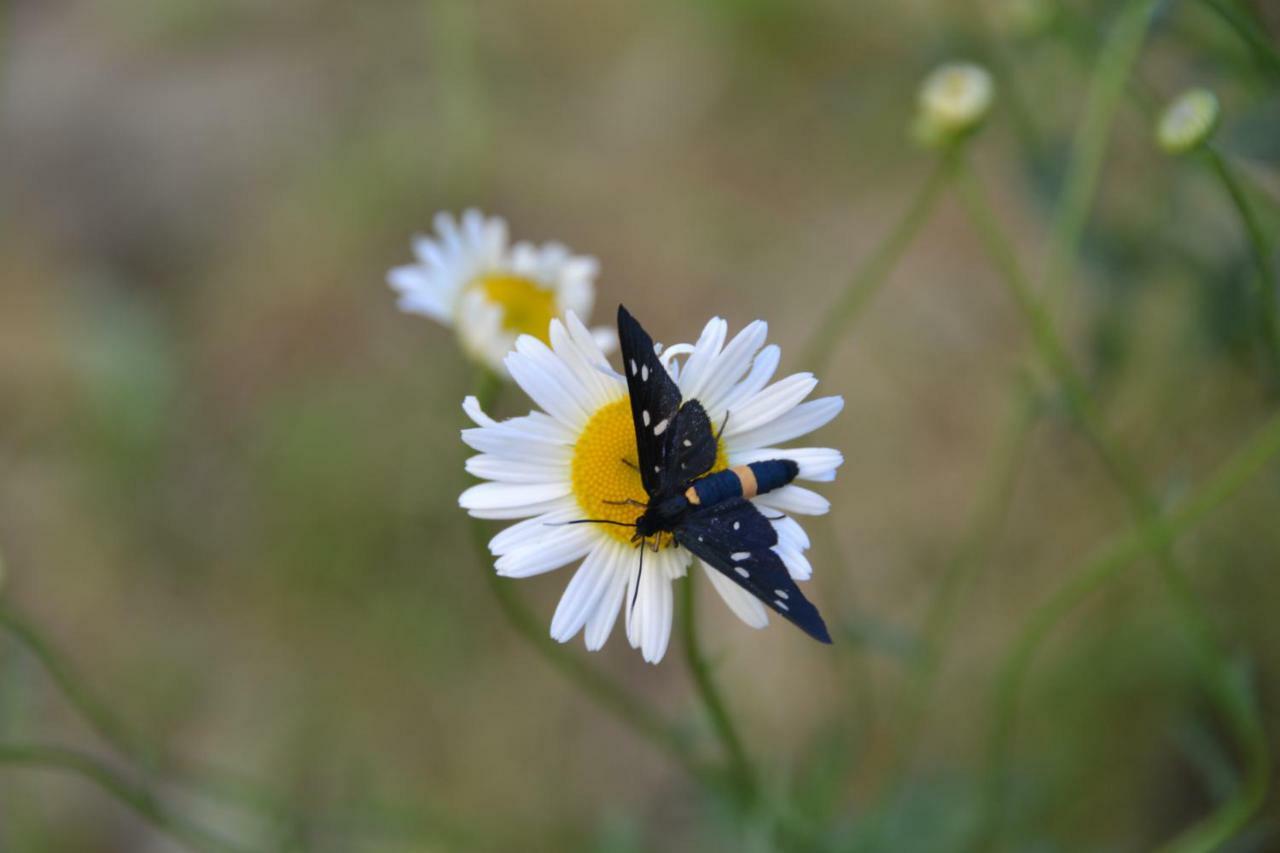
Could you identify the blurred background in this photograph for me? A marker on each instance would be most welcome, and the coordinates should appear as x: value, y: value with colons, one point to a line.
x: 229, y: 468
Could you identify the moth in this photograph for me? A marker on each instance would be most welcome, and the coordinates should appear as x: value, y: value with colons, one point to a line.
x: 710, y: 514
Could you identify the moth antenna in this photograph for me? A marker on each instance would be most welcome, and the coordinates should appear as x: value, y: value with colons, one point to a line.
x: 587, y: 521
x: 635, y: 593
x: 724, y: 423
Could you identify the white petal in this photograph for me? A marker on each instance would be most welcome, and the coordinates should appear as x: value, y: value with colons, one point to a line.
x: 504, y: 469
x: 649, y: 623
x: 790, y: 533
x: 816, y: 463
x: 773, y: 402
x: 571, y: 544
x: 598, y: 389
x: 795, y: 561
x: 704, y: 352
x: 803, y: 419
x: 507, y: 496
x: 600, y: 623
x: 797, y: 499
x: 731, y: 364
x: 549, y: 382
x: 583, y: 593
x: 535, y: 529
x: 743, y: 604
x: 762, y: 370
x: 471, y: 406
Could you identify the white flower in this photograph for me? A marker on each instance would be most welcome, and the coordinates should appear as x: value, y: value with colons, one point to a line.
x: 1188, y: 122
x: 469, y: 278
x: 954, y: 99
x: 566, y: 461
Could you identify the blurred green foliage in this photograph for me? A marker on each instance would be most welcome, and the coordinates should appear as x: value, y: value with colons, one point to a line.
x: 229, y: 468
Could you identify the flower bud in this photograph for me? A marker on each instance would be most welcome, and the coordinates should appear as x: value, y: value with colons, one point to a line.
x: 1188, y: 122
x: 954, y: 99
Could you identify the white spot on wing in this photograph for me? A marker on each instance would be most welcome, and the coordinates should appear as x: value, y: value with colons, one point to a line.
x: 742, y: 572
x: 645, y: 415
x: 661, y: 427
x: 781, y: 605
x: 737, y: 525
x: 781, y: 593
x: 633, y: 367
x: 739, y: 556
x: 644, y: 373
x: 688, y: 443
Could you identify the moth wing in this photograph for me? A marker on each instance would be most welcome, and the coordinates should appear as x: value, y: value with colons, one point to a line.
x: 737, y: 540
x: 655, y: 399
x: 690, y: 449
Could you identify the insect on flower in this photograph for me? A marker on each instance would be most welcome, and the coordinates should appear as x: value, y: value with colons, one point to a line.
x: 578, y: 457
x: 710, y: 514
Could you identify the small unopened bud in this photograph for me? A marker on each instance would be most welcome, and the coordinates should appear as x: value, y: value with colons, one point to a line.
x: 954, y: 99
x: 1188, y: 122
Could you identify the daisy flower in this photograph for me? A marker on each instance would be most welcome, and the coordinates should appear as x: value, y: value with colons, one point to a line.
x: 565, y: 462
x: 469, y: 278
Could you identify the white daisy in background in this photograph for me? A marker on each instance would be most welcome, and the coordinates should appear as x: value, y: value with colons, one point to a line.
x: 468, y: 277
x: 565, y: 462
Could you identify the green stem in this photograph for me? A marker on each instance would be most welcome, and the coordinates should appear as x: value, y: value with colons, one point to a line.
x: 1146, y: 511
x: 742, y: 772
x: 628, y: 708
x: 1108, y: 562
x: 1115, y: 65
x: 141, y: 800
x: 873, y: 272
x: 1261, y: 247
x: 96, y: 713
x: 1250, y: 32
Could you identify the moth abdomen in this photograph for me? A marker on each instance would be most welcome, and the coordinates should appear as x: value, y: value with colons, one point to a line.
x: 742, y: 481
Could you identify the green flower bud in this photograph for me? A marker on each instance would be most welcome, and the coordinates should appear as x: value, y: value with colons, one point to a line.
x: 1188, y: 122
x: 954, y: 99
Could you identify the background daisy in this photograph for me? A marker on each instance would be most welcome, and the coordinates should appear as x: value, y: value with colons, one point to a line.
x: 565, y: 462
x: 468, y: 277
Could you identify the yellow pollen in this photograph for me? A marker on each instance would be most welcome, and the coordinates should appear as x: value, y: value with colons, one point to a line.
x: 600, y: 474
x: 527, y: 307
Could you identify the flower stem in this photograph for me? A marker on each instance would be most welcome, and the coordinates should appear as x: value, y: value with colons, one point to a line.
x: 1125, y: 472
x: 1114, y: 67
x: 1250, y: 32
x: 869, y: 277
x: 612, y: 697
x: 740, y: 767
x: 1261, y: 247
x: 1107, y: 563
x: 141, y: 800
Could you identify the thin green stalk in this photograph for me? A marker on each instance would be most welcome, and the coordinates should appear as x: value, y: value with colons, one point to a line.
x: 1261, y: 247
x: 869, y: 277
x: 1265, y: 53
x: 99, y: 717
x: 1107, y: 563
x: 628, y: 708
x: 741, y: 769
x: 141, y: 800
x: 1115, y: 65
x: 1240, y: 713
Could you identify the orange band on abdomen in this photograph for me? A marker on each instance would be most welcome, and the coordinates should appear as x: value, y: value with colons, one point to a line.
x: 748, y: 479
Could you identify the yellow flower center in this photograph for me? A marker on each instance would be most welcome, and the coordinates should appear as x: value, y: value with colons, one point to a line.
x: 527, y: 306
x: 604, y: 472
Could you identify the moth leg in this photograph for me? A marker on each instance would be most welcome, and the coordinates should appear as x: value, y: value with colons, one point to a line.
x: 633, y: 466
x: 627, y: 502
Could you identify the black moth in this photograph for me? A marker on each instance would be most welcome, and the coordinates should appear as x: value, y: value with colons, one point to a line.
x: 710, y: 514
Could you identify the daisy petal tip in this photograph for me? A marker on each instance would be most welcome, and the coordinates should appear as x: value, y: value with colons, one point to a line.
x: 471, y: 405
